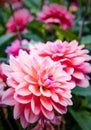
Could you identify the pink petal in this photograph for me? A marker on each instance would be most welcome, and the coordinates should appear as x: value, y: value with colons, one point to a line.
x: 18, y: 110
x: 78, y: 75
x: 8, y: 97
x: 83, y: 83
x: 23, y: 91
x: 37, y: 61
x: 67, y: 94
x: 22, y: 99
x: 38, y: 127
x: 45, y: 92
x: 59, y: 108
x: 46, y: 103
x: 24, y: 57
x: 35, y: 105
x: 48, y: 114
x: 35, y: 90
x: 14, y: 64
x: 70, y: 70
x: 21, y: 85
x: 18, y: 76
x: 55, y: 97
x: 6, y: 69
x: 64, y: 101
x: 29, y: 115
x: 57, y: 120
x: 30, y: 79
x: 23, y: 121
x: 78, y: 60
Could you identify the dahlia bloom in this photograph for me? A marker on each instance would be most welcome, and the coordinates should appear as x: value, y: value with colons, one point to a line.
x: 22, y: 17
x: 16, y: 4
x: 39, y: 88
x: 13, y: 1
x: 56, y: 14
x: 2, y: 84
x: 74, y: 7
x: 72, y: 56
x: 2, y: 2
x: 16, y: 46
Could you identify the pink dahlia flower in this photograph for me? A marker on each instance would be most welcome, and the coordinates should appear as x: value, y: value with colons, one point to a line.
x: 74, y: 7
x: 39, y: 88
x: 13, y: 1
x: 22, y: 17
x: 2, y: 84
x: 56, y: 14
x: 16, y: 4
x: 73, y: 56
x: 16, y: 46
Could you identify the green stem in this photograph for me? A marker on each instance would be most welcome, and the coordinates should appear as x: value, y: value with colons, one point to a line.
x: 17, y: 28
x: 83, y: 20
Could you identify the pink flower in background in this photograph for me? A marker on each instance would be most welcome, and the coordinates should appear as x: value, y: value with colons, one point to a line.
x: 56, y: 14
x: 73, y: 56
x: 16, y: 46
x: 16, y: 3
x: 39, y: 88
x: 22, y: 17
x: 74, y: 7
x: 2, y: 84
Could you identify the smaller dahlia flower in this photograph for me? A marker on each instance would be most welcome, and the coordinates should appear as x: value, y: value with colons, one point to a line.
x: 56, y: 14
x: 74, y: 7
x: 2, y: 84
x: 72, y: 56
x: 2, y: 2
x: 16, y: 46
x: 22, y: 17
x: 39, y: 88
x: 15, y: 3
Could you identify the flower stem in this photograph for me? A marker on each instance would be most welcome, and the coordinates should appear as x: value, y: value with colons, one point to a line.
x: 4, y: 117
x: 83, y: 19
x: 17, y: 28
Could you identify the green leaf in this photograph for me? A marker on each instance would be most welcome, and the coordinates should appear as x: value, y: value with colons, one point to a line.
x: 83, y: 118
x: 33, y: 5
x: 31, y: 36
x: 5, y: 38
x: 55, y: 1
x: 86, y: 40
x: 59, y: 35
x: 68, y: 35
x: 2, y: 29
x: 37, y: 28
x: 1, y: 126
x: 82, y: 91
x: 3, y: 59
x: 4, y: 15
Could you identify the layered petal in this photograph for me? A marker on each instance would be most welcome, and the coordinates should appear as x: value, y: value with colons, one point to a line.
x: 39, y: 88
x: 74, y: 59
x: 56, y: 14
x: 21, y: 19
